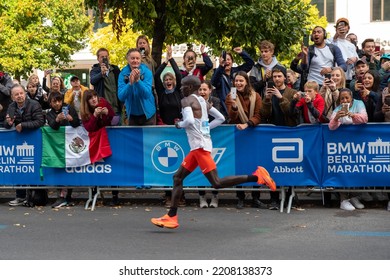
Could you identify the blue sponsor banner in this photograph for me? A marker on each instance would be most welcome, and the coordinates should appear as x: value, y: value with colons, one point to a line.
x: 20, y: 157
x: 123, y: 168
x: 164, y: 152
x: 357, y: 155
x: 292, y: 155
x: 300, y: 156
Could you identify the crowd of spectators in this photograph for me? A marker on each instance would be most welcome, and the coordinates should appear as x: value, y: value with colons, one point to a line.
x: 329, y: 81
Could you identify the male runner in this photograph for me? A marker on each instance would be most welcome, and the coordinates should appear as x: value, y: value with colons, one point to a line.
x: 195, y: 121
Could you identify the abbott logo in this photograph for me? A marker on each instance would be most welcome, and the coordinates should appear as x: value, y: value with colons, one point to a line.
x: 291, y: 150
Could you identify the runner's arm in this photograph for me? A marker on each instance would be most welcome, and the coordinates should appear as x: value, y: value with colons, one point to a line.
x: 188, y: 118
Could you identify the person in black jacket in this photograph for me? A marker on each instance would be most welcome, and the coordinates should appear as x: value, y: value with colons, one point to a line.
x: 23, y: 114
x: 61, y: 114
x: 104, y: 78
x: 168, y: 90
x: 169, y: 101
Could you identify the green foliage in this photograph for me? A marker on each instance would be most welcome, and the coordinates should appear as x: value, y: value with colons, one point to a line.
x: 219, y: 24
x: 106, y: 38
x: 41, y: 34
x: 313, y: 19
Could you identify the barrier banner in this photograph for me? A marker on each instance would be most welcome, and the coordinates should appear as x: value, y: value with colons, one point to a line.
x: 356, y: 156
x: 20, y: 157
x: 292, y: 155
x: 164, y: 152
x: 299, y: 156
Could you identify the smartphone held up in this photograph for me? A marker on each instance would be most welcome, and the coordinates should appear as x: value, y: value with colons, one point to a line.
x: 233, y: 92
x: 306, y: 40
x: 270, y: 84
x: 224, y: 55
x: 345, y: 107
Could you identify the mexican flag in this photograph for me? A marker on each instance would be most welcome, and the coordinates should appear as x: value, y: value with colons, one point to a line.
x: 72, y: 147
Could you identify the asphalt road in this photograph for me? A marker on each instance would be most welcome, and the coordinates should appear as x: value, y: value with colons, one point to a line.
x: 225, y: 233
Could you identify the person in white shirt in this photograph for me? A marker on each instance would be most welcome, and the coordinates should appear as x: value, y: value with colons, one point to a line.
x: 347, y: 49
x: 320, y: 58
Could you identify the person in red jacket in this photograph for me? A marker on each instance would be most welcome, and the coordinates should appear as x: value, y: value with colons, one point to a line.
x: 309, y: 106
x: 95, y: 111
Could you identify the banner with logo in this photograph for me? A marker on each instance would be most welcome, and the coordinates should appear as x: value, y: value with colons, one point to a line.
x: 299, y: 156
x: 20, y: 157
x: 165, y: 151
x: 357, y: 156
x: 292, y: 155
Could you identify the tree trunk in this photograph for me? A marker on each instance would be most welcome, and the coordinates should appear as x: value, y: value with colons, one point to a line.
x: 159, y: 31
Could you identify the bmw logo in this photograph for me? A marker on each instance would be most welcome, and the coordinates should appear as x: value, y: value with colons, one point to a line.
x: 167, y: 156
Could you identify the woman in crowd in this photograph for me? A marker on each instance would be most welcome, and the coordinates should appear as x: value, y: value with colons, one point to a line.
x: 96, y: 112
x: 34, y: 93
x: 144, y: 47
x: 350, y: 111
x: 190, y: 67
x: 330, y: 91
x: 169, y: 102
x: 205, y: 91
x: 168, y: 90
x: 57, y: 83
x: 222, y: 78
x: 244, y: 111
x: 369, y: 92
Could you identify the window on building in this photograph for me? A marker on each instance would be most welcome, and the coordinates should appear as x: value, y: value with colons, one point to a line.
x: 326, y: 8
x: 380, y: 10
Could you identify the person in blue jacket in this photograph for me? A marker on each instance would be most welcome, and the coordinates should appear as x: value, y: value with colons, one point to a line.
x: 135, y: 90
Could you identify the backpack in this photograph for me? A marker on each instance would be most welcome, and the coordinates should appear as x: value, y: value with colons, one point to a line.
x: 36, y: 197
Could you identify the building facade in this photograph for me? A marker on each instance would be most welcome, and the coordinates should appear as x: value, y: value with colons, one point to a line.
x: 367, y: 18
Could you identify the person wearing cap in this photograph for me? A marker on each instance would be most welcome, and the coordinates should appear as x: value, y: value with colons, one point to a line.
x: 347, y: 49
x: 73, y: 96
x: 361, y: 67
x: 384, y: 72
x: 275, y: 110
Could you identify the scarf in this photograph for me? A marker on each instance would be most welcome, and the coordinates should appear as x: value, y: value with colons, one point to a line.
x: 252, y: 102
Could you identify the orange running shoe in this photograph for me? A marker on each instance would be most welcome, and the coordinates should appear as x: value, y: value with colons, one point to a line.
x: 263, y: 178
x: 166, y: 221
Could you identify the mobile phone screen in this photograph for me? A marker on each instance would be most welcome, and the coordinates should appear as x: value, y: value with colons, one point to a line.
x: 224, y: 55
x: 270, y: 84
x: 233, y: 92
x: 306, y: 40
x: 377, y: 48
x: 345, y: 107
